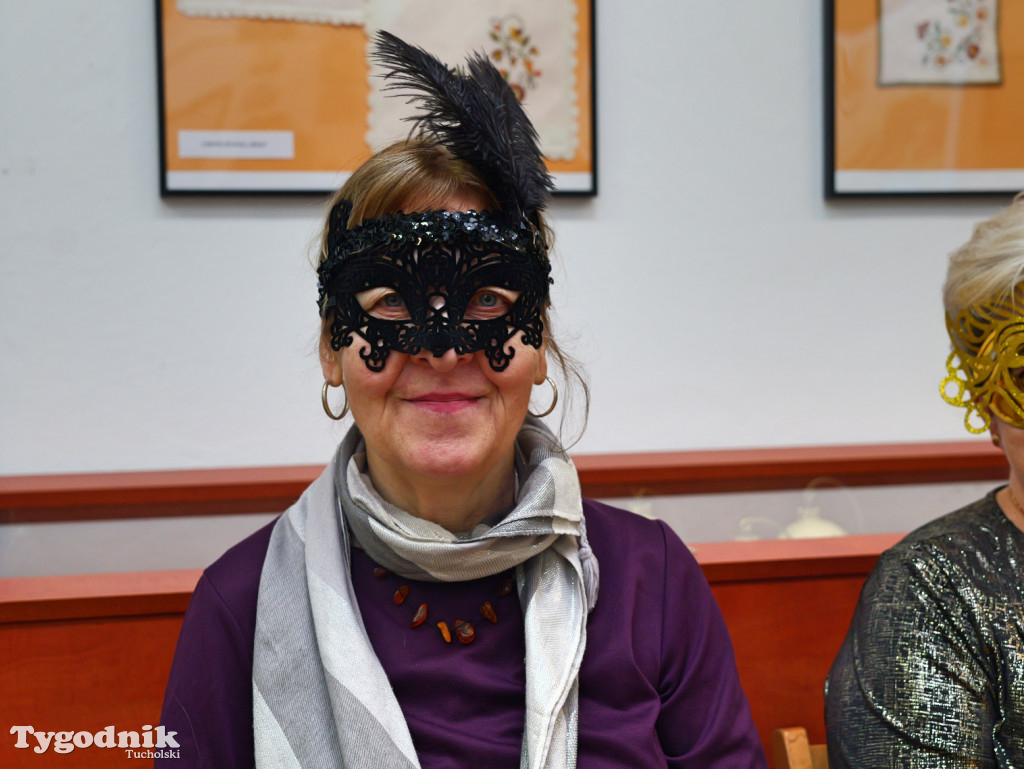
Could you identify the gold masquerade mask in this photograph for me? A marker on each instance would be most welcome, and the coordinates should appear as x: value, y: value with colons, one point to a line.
x: 986, y: 367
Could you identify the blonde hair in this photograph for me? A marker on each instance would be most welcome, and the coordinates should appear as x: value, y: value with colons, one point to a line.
x: 422, y: 174
x: 990, y: 265
x: 415, y: 171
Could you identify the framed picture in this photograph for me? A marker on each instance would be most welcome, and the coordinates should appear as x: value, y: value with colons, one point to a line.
x: 279, y: 96
x: 924, y: 97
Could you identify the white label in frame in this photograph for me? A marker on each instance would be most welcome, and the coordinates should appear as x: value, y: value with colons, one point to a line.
x: 267, y: 145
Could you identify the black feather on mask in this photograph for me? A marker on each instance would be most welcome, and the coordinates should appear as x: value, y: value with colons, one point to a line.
x: 476, y: 115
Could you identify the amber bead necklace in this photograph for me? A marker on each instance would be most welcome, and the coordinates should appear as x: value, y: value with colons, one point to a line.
x: 465, y: 633
x: 464, y: 630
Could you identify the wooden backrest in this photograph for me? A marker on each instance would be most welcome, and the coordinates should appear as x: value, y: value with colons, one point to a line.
x: 93, y: 650
x: 788, y: 604
x: 792, y: 750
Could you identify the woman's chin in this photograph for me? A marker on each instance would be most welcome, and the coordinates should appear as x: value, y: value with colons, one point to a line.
x: 449, y: 457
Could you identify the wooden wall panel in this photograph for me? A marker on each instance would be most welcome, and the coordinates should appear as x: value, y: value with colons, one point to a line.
x: 80, y: 653
x: 788, y: 604
x: 93, y: 496
x: 83, y: 675
x: 786, y: 634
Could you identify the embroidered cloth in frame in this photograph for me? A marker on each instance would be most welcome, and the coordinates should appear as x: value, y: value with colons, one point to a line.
x: 532, y: 41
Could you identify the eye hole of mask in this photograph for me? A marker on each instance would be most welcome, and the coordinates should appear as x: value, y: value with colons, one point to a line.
x: 490, y: 302
x: 383, y: 303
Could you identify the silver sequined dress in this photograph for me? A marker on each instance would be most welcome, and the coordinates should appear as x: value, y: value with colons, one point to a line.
x: 931, y: 673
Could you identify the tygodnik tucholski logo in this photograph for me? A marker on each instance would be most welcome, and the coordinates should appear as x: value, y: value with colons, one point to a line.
x: 144, y: 744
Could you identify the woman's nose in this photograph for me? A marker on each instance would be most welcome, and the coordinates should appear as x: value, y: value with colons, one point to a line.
x: 443, y: 363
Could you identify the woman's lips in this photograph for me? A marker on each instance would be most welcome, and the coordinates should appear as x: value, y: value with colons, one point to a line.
x: 444, y: 403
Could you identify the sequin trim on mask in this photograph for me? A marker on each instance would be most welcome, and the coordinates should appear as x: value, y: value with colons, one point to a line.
x: 436, y: 262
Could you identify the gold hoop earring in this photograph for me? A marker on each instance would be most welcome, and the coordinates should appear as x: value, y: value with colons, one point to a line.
x: 327, y: 408
x: 996, y: 441
x: 554, y: 400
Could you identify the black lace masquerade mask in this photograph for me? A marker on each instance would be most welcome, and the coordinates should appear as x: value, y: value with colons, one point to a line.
x: 434, y: 269
x: 431, y: 270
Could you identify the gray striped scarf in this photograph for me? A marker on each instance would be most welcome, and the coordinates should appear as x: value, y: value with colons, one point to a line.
x: 320, y: 695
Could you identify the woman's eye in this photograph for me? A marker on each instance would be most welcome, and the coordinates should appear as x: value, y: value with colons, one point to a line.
x: 488, y: 303
x: 383, y: 303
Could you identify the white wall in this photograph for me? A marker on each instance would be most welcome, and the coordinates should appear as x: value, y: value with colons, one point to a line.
x: 716, y: 299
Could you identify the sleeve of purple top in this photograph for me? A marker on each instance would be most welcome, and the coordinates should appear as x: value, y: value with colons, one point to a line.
x: 208, y: 701
x: 705, y: 718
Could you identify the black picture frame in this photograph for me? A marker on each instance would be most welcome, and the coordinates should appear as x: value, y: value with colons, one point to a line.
x: 573, y: 184
x: 881, y: 113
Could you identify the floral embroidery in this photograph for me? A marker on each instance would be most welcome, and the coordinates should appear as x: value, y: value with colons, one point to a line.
x: 938, y: 42
x: 514, y: 54
x: 955, y: 36
x: 552, y: 27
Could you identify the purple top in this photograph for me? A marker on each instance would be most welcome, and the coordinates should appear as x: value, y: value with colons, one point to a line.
x: 658, y: 684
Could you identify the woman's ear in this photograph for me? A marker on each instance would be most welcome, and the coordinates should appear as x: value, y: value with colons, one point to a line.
x: 542, y: 364
x: 330, y: 362
x: 994, y: 429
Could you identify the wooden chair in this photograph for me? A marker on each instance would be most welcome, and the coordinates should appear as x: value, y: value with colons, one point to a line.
x: 792, y: 750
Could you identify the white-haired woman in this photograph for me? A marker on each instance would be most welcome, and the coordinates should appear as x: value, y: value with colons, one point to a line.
x: 932, y: 671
